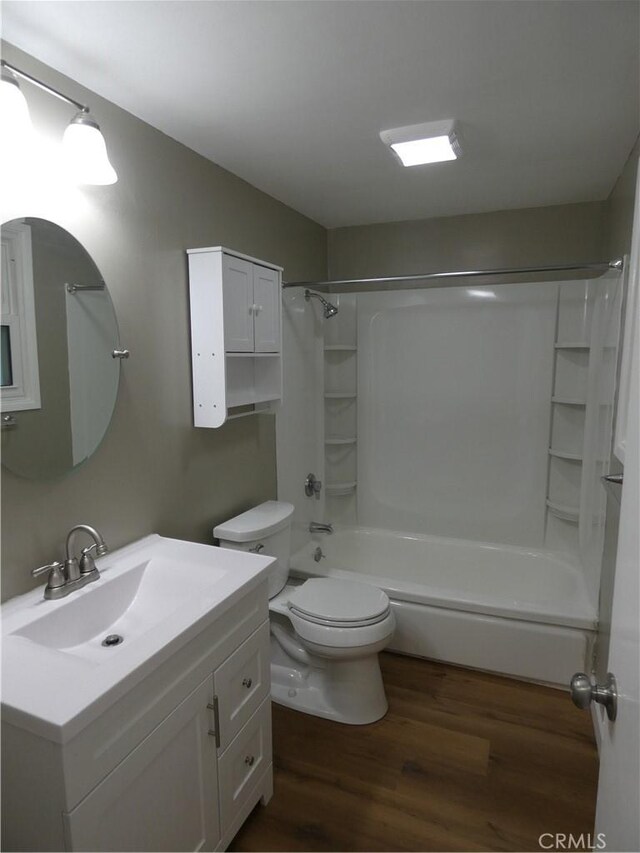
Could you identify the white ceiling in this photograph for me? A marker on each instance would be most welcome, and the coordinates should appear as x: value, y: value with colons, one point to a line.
x: 291, y: 96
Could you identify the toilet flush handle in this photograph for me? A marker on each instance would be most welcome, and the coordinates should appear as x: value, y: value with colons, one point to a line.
x: 256, y: 548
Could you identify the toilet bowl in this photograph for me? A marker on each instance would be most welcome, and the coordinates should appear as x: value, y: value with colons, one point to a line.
x: 325, y: 633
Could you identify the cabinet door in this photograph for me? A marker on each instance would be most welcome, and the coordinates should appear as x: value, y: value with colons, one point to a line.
x: 242, y: 683
x: 266, y: 297
x: 237, y: 296
x: 243, y: 764
x: 163, y: 795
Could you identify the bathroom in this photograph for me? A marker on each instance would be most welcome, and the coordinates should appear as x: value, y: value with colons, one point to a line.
x: 426, y: 412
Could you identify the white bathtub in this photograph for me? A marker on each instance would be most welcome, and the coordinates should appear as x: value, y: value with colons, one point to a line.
x: 496, y: 607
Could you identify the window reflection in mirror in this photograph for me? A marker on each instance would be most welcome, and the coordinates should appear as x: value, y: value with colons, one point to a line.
x: 6, y: 370
x: 59, y: 329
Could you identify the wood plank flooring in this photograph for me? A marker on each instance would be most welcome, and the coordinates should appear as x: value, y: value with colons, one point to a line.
x: 463, y: 761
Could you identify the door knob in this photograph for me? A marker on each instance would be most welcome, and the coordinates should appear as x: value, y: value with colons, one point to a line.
x: 616, y: 479
x: 584, y: 692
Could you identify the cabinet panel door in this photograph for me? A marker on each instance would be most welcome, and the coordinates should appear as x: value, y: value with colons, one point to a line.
x: 266, y: 296
x: 237, y: 295
x: 243, y: 763
x: 163, y: 795
x: 242, y: 683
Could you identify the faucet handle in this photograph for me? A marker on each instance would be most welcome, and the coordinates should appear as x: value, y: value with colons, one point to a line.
x: 87, y: 563
x: 312, y: 486
x: 56, y: 577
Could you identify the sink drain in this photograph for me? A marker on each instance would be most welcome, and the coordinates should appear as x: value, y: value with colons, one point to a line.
x: 113, y: 640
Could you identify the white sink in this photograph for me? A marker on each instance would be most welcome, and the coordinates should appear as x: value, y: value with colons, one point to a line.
x: 129, y: 604
x: 155, y: 594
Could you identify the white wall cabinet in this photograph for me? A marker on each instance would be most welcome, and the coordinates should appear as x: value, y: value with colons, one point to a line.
x: 176, y: 764
x: 235, y: 304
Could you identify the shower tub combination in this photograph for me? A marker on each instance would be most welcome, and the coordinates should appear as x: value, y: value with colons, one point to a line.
x: 506, y: 609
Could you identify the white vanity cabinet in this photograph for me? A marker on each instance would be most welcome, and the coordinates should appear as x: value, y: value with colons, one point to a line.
x: 160, y: 797
x: 235, y: 306
x: 176, y: 763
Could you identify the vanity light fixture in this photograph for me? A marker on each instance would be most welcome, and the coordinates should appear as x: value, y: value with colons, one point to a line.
x: 83, y: 145
x: 416, y: 144
x: 13, y: 105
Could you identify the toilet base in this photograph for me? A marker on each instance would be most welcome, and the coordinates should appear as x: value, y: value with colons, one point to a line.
x: 348, y: 692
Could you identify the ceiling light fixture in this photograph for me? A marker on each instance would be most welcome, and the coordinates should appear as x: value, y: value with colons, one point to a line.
x: 84, y: 148
x: 417, y: 144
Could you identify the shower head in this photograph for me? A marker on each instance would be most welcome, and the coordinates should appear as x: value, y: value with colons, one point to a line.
x: 329, y: 309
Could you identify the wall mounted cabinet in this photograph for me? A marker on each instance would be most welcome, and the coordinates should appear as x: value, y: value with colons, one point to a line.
x: 236, y: 334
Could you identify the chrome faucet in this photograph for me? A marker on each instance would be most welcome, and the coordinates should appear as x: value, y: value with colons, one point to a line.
x: 74, y: 573
x: 320, y: 527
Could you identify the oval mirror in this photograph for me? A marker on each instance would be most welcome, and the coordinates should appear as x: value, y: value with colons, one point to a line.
x: 59, y: 332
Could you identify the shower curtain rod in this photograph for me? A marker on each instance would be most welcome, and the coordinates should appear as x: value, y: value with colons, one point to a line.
x: 600, y: 268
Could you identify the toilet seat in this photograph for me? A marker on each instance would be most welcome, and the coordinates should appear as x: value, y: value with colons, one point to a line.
x: 339, y: 604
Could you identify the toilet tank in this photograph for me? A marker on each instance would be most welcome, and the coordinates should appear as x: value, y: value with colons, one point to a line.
x: 265, y: 529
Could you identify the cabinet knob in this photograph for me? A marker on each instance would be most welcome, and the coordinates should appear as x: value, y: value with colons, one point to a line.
x: 249, y: 760
x: 247, y: 682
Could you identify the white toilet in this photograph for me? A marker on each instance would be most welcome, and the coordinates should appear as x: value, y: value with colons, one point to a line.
x: 325, y: 633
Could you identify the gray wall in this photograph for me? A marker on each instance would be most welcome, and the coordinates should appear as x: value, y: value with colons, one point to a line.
x: 533, y: 236
x: 154, y: 471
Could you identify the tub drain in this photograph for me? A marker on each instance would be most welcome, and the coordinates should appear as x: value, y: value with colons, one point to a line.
x: 112, y: 640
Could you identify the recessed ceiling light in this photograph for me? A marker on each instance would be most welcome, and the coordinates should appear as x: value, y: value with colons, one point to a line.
x: 433, y: 142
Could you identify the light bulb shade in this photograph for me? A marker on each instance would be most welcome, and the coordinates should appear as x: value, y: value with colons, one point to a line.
x: 85, y: 152
x: 14, y: 111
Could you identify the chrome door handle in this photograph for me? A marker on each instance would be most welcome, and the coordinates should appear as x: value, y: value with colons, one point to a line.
x: 247, y: 682
x: 250, y: 759
x: 584, y: 692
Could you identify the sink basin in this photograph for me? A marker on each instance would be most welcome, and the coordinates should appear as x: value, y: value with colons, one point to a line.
x: 129, y: 604
x: 155, y: 594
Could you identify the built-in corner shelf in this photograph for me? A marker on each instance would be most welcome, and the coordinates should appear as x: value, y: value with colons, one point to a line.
x: 252, y: 355
x: 572, y: 345
x: 341, y: 488
x: 340, y: 348
x: 563, y: 454
x: 564, y: 511
x: 569, y: 401
x: 340, y: 420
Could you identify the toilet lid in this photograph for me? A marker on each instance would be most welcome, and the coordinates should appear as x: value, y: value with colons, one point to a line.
x: 339, y: 602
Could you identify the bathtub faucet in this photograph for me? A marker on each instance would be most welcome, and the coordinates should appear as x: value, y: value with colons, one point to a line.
x: 320, y: 527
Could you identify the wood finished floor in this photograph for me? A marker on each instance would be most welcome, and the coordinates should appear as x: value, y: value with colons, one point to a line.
x: 463, y: 761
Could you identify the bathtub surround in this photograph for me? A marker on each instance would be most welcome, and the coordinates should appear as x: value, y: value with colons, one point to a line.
x: 154, y: 471
x: 399, y: 366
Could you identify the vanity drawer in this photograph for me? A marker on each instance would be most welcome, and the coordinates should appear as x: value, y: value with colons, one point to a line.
x: 242, y: 683
x: 243, y: 763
